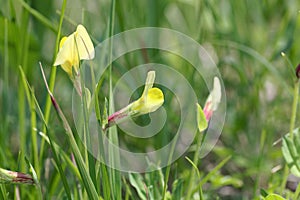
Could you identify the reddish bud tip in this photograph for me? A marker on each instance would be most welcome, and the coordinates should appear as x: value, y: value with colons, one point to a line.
x: 23, y: 178
x: 298, y: 71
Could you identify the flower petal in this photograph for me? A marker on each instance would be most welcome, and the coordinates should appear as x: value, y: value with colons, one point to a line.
x: 67, y: 67
x: 62, y: 41
x: 149, y: 82
x: 84, y: 44
x: 65, y: 52
x: 150, y: 101
x: 155, y: 99
x: 214, y: 97
x: 67, y: 56
x: 73, y: 48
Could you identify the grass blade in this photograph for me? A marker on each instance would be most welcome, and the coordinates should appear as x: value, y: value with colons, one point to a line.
x: 115, y: 177
x: 53, y: 71
x: 39, y: 16
x: 87, y: 181
x: 35, y: 178
x: 33, y: 135
x: 212, y: 172
x: 36, y: 108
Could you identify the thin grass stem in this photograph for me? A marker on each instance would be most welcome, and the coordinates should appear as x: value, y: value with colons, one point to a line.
x: 52, y: 76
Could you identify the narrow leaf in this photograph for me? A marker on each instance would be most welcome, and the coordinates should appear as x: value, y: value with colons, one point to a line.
x: 274, y: 197
x: 136, y: 181
x: 201, y: 119
x: 291, y: 152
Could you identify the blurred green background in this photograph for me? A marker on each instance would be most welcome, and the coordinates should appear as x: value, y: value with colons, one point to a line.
x: 245, y: 39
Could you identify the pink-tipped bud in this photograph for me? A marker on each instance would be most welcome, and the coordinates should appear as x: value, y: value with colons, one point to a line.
x: 11, y: 177
x: 213, y: 99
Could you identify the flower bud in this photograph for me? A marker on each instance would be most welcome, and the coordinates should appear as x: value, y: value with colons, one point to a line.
x: 11, y: 177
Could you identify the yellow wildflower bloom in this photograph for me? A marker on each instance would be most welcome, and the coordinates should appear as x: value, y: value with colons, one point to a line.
x: 151, y: 99
x: 77, y: 46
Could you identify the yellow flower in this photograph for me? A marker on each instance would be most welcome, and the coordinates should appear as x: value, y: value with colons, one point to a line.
x: 77, y: 46
x: 151, y: 99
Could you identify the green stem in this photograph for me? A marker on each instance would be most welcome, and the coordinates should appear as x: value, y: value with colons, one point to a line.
x: 192, y: 175
x: 52, y: 76
x: 292, y: 124
x: 60, y: 169
x: 102, y: 168
x: 91, y: 190
x: 5, y: 102
x: 32, y: 99
x: 90, y: 160
x: 294, y: 108
x: 211, y: 173
x: 87, y: 181
x: 22, y: 54
x: 114, y: 156
x: 38, y: 15
x: 3, y: 192
x: 297, y: 192
x: 166, y: 180
x: 110, y: 33
x: 259, y: 162
x: 284, y: 178
x: 34, y: 136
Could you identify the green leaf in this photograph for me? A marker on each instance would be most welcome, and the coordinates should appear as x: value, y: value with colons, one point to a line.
x: 215, y: 170
x: 274, y: 197
x: 105, y: 114
x: 154, y: 182
x: 201, y: 119
x: 62, y: 155
x: 297, y: 139
x: 177, y: 189
x: 31, y: 98
x: 194, y: 166
x: 136, y: 180
x: 88, y: 97
x: 218, y: 180
x: 291, y: 152
x: 263, y: 192
x: 87, y: 181
x: 39, y: 16
x: 35, y: 178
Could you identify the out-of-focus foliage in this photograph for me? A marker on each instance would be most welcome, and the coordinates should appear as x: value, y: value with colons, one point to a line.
x: 245, y: 39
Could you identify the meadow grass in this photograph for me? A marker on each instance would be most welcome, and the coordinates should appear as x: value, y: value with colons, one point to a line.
x: 257, y: 154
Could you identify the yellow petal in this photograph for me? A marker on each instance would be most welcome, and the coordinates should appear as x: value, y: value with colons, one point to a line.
x: 62, y: 41
x: 154, y: 99
x: 84, y: 44
x: 149, y: 82
x: 67, y: 67
x: 67, y: 52
x: 73, y: 48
